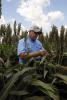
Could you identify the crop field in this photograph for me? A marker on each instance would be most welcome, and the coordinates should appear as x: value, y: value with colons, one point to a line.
x: 35, y: 80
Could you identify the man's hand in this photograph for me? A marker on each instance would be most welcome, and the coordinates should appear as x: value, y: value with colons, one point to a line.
x: 44, y: 52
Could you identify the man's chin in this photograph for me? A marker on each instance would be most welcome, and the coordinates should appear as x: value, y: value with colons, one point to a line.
x: 33, y: 39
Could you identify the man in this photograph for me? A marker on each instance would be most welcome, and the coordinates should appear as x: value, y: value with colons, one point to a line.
x: 32, y: 45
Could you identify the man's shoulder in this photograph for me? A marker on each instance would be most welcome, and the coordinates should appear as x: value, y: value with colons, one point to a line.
x: 38, y: 42
x: 21, y: 40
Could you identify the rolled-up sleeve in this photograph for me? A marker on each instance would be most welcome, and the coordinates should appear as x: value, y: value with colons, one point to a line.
x: 21, y: 47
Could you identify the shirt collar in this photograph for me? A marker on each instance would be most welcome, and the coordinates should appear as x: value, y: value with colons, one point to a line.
x: 31, y: 40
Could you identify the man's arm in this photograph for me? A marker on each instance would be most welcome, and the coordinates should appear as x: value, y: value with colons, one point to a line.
x: 34, y: 54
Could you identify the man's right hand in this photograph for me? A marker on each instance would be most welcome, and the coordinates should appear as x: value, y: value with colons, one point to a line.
x: 44, y: 52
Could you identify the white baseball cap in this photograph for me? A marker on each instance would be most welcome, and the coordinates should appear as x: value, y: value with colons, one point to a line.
x: 36, y: 29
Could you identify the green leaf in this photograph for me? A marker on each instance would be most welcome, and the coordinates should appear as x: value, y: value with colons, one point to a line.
x: 5, y: 91
x: 45, y: 73
x: 62, y: 77
x: 19, y: 93
x: 48, y: 89
x: 50, y: 94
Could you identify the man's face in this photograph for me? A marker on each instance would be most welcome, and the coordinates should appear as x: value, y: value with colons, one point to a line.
x: 33, y: 35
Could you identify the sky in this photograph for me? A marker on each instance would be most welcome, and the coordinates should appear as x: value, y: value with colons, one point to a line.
x: 43, y: 13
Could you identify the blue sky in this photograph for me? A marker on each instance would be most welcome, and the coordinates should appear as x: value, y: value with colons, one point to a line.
x: 43, y: 13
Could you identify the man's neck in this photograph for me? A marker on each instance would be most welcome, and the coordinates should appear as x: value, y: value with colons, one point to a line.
x: 32, y: 40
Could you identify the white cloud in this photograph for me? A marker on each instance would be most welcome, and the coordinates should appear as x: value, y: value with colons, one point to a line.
x: 55, y: 15
x: 33, y: 11
x: 65, y: 26
x: 2, y: 20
